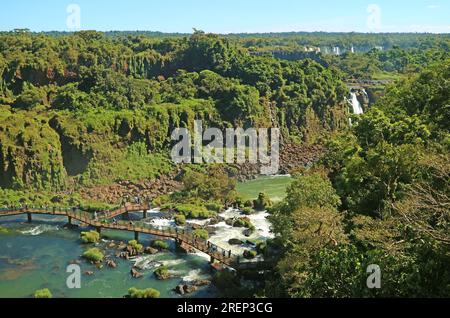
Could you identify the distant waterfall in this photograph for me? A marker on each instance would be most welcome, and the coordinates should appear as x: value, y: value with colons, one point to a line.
x: 337, y: 50
x: 356, y: 105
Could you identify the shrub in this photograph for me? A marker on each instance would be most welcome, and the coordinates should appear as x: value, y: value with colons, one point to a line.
x: 90, y: 237
x: 192, y: 211
x: 161, y: 200
x: 248, y: 204
x: 201, y: 233
x: 134, y: 244
x: 244, y: 222
x: 261, y: 247
x: 247, y: 210
x: 249, y: 254
x: 263, y: 202
x: 162, y: 273
x: 4, y: 230
x: 133, y: 292
x: 160, y: 245
x: 239, y: 201
x: 43, y: 293
x: 213, y: 206
x: 94, y: 254
x: 180, y: 219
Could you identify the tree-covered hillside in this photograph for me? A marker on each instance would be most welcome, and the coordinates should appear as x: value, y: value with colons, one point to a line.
x: 379, y: 196
x: 85, y: 108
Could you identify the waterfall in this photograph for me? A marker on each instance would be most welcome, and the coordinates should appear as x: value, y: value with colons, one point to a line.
x: 337, y: 50
x: 356, y: 105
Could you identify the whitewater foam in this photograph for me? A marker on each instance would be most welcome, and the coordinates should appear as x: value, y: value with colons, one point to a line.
x: 38, y: 230
x: 194, y: 275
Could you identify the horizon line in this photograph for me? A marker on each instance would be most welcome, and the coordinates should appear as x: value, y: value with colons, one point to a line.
x: 227, y: 33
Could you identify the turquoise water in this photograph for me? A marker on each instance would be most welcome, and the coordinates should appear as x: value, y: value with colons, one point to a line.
x: 35, y: 256
x: 31, y: 260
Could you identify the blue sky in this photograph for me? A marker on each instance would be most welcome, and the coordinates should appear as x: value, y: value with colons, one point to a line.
x: 231, y: 16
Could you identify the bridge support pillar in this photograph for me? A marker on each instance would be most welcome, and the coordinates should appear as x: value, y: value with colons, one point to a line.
x: 69, y: 220
x: 145, y: 214
x: 30, y: 219
x: 136, y: 236
x: 98, y: 229
x: 212, y: 260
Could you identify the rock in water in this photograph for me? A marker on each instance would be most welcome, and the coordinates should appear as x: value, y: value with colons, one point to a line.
x: 235, y: 242
x: 179, y: 289
x: 202, y: 282
x: 150, y: 250
x: 185, y: 289
x: 111, y: 264
x: 135, y: 273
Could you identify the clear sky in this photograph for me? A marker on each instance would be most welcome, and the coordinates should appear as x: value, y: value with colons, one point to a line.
x: 228, y: 16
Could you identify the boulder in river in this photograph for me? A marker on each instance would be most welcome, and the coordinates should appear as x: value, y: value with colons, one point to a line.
x: 235, y: 241
x: 185, y: 289
x: 180, y: 289
x: 112, y: 245
x: 202, y: 282
x: 150, y: 250
x: 110, y: 263
x: 135, y: 274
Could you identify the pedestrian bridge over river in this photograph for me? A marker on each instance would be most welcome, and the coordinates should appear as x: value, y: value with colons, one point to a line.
x: 102, y: 220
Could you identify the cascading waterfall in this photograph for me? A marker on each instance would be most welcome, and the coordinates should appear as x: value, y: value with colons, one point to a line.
x: 356, y: 105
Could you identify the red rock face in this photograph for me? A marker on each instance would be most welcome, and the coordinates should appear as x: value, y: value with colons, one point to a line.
x: 148, y: 188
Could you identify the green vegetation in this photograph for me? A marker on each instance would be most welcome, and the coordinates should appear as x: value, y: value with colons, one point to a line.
x: 262, y: 203
x: 85, y: 119
x: 160, y: 245
x: 243, y: 222
x: 274, y: 187
x: 201, y: 233
x: 250, y: 254
x: 378, y: 196
x: 162, y: 273
x: 94, y: 255
x: 192, y: 211
x: 43, y: 293
x: 180, y: 219
x: 90, y: 237
x: 133, y: 292
x: 84, y: 110
x: 205, y: 192
x: 136, y: 246
x: 261, y: 247
x: 4, y: 230
x: 247, y: 210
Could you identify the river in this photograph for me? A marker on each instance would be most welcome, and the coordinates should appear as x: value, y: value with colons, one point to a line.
x: 35, y: 256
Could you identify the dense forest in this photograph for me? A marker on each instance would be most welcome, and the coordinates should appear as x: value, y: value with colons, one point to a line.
x: 87, y: 109
x: 80, y: 105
